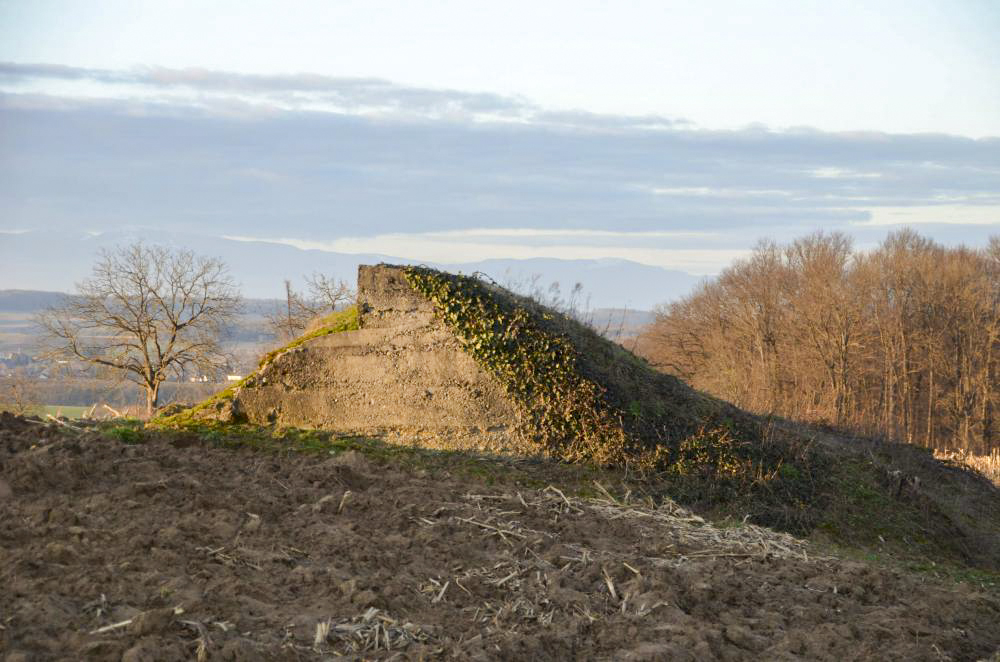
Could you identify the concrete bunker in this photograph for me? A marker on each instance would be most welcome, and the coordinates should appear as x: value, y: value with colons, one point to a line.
x: 403, y: 373
x: 452, y: 361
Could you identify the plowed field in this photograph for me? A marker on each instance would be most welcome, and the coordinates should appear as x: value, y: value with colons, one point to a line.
x: 174, y: 549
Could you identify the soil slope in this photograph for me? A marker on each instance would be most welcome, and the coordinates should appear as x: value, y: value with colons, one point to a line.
x: 219, y: 554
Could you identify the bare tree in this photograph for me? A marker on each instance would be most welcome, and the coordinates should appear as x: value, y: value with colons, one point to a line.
x: 147, y: 313
x: 328, y: 294
x: 325, y: 295
x: 288, y: 320
x: 19, y: 394
x: 825, y: 318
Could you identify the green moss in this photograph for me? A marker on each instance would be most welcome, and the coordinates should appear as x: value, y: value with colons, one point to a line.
x: 192, y: 413
x: 127, y: 434
x: 336, y: 322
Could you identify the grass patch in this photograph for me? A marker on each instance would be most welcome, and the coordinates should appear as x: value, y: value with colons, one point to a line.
x: 126, y: 434
x: 891, y: 502
x: 490, y: 470
x: 985, y: 580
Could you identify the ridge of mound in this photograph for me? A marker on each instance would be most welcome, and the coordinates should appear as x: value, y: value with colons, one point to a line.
x: 213, y: 407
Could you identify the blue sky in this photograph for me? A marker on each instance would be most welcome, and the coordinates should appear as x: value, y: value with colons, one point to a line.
x: 671, y: 133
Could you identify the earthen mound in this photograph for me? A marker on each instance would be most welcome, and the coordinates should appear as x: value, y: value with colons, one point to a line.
x: 459, y: 362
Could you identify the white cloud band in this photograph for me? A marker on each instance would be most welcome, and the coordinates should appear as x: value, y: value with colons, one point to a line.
x: 462, y: 246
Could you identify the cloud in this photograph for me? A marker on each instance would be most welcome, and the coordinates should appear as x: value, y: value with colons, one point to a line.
x: 985, y: 215
x: 720, y: 192
x: 220, y: 90
x: 840, y: 173
x: 564, y: 234
x: 383, y: 165
x: 460, y: 247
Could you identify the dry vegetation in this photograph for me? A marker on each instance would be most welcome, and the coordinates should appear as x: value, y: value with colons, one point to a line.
x: 901, y: 342
x: 18, y: 393
x: 988, y: 465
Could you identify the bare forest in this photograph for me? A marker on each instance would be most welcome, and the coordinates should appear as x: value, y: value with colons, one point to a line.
x: 899, y: 342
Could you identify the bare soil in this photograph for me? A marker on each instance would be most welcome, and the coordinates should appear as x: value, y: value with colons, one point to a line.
x: 175, y: 549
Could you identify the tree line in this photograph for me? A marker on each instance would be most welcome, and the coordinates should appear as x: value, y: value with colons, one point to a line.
x: 900, y: 342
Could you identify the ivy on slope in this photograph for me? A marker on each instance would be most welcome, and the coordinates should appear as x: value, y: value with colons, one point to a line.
x: 561, y: 410
x: 708, y: 453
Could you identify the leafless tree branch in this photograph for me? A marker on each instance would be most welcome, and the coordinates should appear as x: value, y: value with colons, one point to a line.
x: 148, y: 313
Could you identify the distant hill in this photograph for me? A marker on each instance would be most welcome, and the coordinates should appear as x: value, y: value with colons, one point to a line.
x: 27, y: 301
x: 42, y: 260
x: 32, y: 301
x: 607, y: 283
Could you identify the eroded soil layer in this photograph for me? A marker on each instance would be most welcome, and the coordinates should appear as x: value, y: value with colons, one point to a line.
x: 174, y: 549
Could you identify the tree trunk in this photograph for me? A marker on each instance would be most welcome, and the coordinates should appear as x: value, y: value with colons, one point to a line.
x: 986, y: 415
x: 929, y: 440
x: 152, y: 398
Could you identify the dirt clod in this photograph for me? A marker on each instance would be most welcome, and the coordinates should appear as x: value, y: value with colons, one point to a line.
x: 154, y: 620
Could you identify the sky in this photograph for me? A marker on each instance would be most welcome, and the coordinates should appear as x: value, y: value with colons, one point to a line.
x: 672, y: 134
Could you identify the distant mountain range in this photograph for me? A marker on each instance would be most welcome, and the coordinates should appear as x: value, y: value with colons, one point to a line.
x: 27, y: 301
x: 41, y: 260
